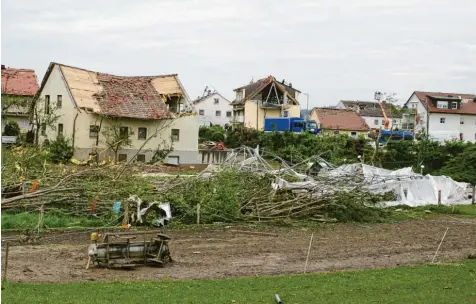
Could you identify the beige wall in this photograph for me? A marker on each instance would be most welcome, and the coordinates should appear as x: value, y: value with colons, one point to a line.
x: 77, y: 123
x: 250, y: 114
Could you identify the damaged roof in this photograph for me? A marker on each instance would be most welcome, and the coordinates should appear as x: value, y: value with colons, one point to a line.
x: 22, y: 82
x: 340, y: 119
x: 468, y: 102
x: 252, y: 89
x: 140, y: 97
x: 370, y: 108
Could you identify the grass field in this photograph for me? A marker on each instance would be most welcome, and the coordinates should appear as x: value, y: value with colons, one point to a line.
x: 449, y: 283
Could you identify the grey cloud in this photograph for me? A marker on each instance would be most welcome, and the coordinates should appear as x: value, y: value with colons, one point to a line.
x: 340, y: 49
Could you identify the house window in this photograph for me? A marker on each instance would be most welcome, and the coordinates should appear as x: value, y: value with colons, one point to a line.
x: 454, y: 105
x: 460, y: 136
x: 122, y: 157
x: 461, y: 121
x: 216, y: 100
x: 376, y: 122
x: 285, y: 113
x: 353, y: 134
x: 442, y: 105
x: 228, y: 113
x: 217, y: 113
x: 442, y: 120
x: 47, y: 104
x: 142, y: 133
x: 383, y: 122
x: 175, y: 135
x: 93, y: 131
x: 336, y: 132
x: 173, y: 160
x: 201, y: 112
x: 141, y: 158
x: 124, y: 132
x: 60, y: 129
x: 59, y: 101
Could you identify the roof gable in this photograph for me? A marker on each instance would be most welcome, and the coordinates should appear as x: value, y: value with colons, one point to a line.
x: 200, y: 99
x: 253, y: 89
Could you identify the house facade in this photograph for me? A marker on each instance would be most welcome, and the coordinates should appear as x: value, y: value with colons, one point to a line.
x: 19, y: 86
x: 148, y: 113
x: 371, y: 112
x: 213, y: 109
x: 264, y: 98
x: 340, y: 121
x: 443, y: 116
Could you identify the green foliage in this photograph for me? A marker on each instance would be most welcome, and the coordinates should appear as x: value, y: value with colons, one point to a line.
x: 357, y: 206
x: 462, y: 167
x: 161, y: 151
x: 220, y: 196
x: 242, y: 137
x: 11, y: 128
x: 52, y: 219
x: 428, y: 284
x: 60, y: 150
x: 213, y: 133
x: 23, y: 163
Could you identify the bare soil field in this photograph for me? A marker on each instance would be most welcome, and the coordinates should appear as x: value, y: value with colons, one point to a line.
x: 220, y: 253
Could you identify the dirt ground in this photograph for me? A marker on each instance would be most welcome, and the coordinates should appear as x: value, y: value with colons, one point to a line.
x: 221, y: 253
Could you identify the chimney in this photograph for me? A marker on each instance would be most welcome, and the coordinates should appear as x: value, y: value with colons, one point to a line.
x: 3, y: 67
x: 290, y: 85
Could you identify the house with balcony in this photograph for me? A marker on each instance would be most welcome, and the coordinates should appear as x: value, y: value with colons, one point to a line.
x: 19, y: 86
x: 213, y: 109
x: 263, y: 98
x: 442, y: 116
x: 339, y: 121
x: 371, y: 112
x: 147, y: 112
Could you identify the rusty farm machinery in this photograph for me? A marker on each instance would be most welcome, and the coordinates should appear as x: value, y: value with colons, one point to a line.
x: 129, y: 249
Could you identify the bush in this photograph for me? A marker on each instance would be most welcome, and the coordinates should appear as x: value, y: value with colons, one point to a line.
x: 60, y: 150
x: 11, y: 128
x: 213, y: 133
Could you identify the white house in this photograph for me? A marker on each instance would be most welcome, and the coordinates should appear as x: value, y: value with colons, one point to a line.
x: 88, y: 103
x: 213, y: 109
x: 445, y: 116
x: 372, y: 113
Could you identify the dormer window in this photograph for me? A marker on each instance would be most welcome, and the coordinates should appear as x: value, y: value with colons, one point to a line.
x: 454, y: 105
x: 442, y: 105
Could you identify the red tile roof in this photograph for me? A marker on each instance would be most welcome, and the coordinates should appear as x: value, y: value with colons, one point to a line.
x: 19, y: 82
x: 467, y: 107
x: 340, y: 119
x: 133, y: 97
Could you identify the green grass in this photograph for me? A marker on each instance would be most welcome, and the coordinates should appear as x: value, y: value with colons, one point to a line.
x: 408, y: 213
x: 449, y: 283
x: 29, y: 220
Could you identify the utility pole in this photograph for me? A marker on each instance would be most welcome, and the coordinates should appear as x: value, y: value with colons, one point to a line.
x: 307, y: 105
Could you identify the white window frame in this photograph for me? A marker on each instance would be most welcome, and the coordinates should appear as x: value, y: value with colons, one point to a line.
x: 218, y: 113
x: 201, y: 112
x: 442, y: 104
x: 216, y: 100
x: 442, y: 120
x: 454, y: 105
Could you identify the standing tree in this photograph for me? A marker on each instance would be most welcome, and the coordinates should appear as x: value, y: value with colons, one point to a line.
x: 116, y: 137
x: 44, y: 117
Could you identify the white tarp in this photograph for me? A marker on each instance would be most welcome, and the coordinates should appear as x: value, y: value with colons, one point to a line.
x: 410, y: 188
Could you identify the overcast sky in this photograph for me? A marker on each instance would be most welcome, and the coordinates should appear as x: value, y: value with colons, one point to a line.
x: 335, y: 49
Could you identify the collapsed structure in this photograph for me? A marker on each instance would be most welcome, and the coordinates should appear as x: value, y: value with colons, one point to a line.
x: 317, y: 177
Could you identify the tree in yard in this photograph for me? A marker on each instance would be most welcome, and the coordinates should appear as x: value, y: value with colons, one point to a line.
x: 462, y: 167
x: 116, y: 137
x: 11, y: 129
x: 44, y: 117
x: 60, y: 150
